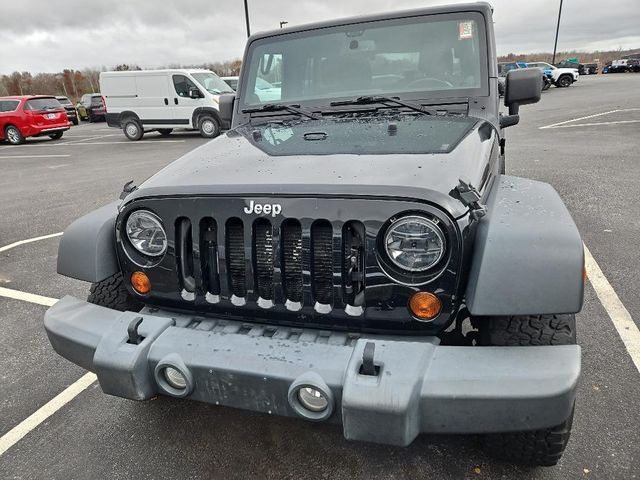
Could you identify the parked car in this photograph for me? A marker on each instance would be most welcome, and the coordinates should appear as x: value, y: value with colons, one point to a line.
x: 161, y: 100
x: 624, y: 65
x: 31, y: 116
x: 370, y: 266
x: 72, y: 114
x: 232, y: 82
x: 589, y: 69
x: 560, y: 77
x: 92, y: 107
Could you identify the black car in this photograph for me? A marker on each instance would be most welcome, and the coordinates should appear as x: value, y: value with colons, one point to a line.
x: 350, y: 251
x: 72, y: 113
x: 91, y: 107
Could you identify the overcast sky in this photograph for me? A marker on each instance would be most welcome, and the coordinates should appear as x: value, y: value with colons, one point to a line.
x: 49, y: 35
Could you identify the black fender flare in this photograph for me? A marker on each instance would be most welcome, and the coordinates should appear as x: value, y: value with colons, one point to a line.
x: 528, y: 257
x: 87, y: 250
x: 207, y: 111
x: 115, y: 119
x: 129, y: 114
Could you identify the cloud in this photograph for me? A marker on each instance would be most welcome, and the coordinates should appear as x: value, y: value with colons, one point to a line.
x: 49, y: 35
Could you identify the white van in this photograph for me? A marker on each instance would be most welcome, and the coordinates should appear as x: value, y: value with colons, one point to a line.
x: 140, y: 101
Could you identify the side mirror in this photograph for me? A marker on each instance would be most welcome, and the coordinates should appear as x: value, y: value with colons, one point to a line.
x: 522, y: 87
x: 225, y: 105
x: 195, y: 93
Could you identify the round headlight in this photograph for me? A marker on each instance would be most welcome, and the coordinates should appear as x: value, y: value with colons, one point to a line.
x: 146, y: 234
x: 414, y: 243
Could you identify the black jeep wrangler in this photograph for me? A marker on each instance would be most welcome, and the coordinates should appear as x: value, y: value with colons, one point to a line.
x: 351, y: 251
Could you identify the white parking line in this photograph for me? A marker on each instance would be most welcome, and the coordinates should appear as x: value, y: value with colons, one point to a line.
x: 18, y: 432
x: 112, y: 143
x: 82, y: 140
x: 597, y: 123
x: 27, y: 297
x: 29, y: 240
x: 588, y: 116
x: 31, y: 156
x: 626, y: 327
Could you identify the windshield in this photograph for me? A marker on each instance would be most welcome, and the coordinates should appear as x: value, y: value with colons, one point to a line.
x: 42, y: 104
x: 444, y: 55
x: 212, y: 83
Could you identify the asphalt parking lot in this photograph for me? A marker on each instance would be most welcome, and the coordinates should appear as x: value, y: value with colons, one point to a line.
x: 584, y: 140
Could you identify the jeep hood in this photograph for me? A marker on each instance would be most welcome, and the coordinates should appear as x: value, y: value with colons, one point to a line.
x: 416, y: 157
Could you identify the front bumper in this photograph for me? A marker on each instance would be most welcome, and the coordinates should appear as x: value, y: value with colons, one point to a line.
x: 419, y: 387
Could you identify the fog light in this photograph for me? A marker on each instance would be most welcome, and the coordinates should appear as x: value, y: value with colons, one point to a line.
x: 140, y: 283
x: 175, y: 378
x: 312, y: 399
x: 425, y: 305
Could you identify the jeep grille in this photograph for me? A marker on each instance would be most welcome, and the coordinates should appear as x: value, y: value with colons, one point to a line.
x: 260, y: 251
x: 315, y: 265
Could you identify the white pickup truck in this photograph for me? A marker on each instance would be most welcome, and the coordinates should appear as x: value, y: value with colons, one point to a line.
x: 560, y: 77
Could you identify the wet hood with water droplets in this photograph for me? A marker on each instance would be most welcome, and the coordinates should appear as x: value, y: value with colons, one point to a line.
x: 417, y: 157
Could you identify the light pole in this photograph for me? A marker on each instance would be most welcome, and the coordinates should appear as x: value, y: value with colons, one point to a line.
x: 246, y: 17
x: 283, y: 23
x: 555, y: 45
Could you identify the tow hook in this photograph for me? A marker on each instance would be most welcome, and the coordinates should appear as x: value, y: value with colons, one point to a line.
x: 368, y: 366
x: 132, y: 330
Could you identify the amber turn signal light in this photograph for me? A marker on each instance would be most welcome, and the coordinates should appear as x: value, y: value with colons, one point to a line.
x: 140, y: 283
x: 425, y: 305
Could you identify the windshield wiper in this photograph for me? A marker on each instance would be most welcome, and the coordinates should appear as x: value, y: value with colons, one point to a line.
x: 368, y: 100
x: 278, y: 107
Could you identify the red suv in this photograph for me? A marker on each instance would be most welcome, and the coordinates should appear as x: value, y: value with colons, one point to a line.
x: 31, y: 116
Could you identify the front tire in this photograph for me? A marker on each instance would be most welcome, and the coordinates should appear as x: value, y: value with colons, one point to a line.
x: 13, y: 136
x: 111, y: 293
x: 75, y: 121
x: 536, y: 447
x: 132, y: 129
x: 56, y: 136
x: 542, y: 447
x: 208, y: 126
x: 564, y: 81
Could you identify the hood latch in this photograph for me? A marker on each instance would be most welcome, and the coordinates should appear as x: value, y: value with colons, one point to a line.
x: 470, y: 196
x: 127, y: 189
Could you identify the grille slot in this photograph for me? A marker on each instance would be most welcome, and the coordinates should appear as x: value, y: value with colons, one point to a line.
x: 209, y: 255
x: 184, y: 257
x: 353, y: 268
x: 236, y: 267
x: 263, y: 258
x: 322, y: 262
x: 291, y: 233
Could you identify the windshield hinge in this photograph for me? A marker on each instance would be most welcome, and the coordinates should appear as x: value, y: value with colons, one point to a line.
x: 470, y: 196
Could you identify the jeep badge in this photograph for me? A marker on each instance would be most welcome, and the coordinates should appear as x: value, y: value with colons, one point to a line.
x: 266, y: 209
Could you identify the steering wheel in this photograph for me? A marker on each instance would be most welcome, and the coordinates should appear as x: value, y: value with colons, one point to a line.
x: 429, y: 82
